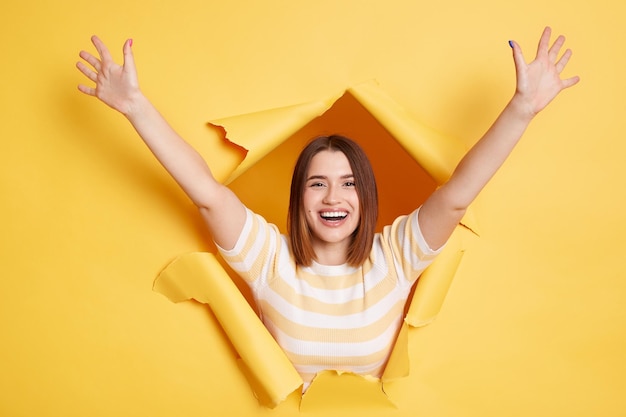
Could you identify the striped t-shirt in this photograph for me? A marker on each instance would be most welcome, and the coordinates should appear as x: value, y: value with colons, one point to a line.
x: 332, y: 317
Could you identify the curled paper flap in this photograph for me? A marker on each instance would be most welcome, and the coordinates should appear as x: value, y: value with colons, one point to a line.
x: 438, y: 154
x: 199, y: 276
x: 430, y: 292
x: 434, y: 283
x: 261, y: 132
x: 398, y: 363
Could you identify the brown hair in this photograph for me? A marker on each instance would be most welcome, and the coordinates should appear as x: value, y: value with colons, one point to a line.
x: 297, y: 227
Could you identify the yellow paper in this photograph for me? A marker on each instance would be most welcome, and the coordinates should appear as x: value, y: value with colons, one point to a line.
x: 432, y: 150
x: 434, y: 283
x: 398, y: 364
x: 261, y: 132
x: 199, y: 276
x: 435, y: 152
x: 534, y: 322
x: 333, y: 390
x: 428, y: 298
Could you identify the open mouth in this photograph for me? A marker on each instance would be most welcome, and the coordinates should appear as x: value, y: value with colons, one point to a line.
x: 333, y: 216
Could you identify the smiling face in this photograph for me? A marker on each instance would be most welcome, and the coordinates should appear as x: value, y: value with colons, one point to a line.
x: 331, y: 203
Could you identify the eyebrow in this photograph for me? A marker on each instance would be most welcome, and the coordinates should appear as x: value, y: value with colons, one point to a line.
x: 324, y: 177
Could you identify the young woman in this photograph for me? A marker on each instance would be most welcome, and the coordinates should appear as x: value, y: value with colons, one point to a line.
x: 333, y: 291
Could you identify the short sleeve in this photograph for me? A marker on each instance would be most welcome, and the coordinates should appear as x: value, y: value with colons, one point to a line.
x: 255, y: 249
x: 406, y: 244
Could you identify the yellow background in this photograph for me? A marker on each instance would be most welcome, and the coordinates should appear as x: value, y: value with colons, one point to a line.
x: 534, y: 321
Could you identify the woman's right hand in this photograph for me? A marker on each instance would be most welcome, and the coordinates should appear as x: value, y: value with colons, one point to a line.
x: 116, y: 85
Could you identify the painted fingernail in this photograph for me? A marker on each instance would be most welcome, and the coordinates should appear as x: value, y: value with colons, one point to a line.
x: 130, y: 42
x: 511, y: 44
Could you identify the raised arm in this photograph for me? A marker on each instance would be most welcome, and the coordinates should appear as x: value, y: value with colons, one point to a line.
x: 118, y: 87
x: 538, y: 83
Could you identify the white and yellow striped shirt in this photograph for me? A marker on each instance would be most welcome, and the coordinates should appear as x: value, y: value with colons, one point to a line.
x: 332, y: 317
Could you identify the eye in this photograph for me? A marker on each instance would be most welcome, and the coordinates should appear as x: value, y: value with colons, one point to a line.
x: 316, y: 184
x: 349, y: 184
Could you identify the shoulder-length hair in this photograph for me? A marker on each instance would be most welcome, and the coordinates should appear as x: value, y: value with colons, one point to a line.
x: 297, y: 227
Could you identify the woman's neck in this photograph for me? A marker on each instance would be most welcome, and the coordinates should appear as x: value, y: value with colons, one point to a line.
x: 331, y: 254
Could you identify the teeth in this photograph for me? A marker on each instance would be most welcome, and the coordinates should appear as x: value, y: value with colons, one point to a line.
x: 334, y: 214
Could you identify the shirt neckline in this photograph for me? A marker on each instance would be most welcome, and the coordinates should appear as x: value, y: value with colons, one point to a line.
x: 331, y: 270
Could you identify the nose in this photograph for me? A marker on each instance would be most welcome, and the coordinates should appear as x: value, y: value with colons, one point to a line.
x: 331, y: 196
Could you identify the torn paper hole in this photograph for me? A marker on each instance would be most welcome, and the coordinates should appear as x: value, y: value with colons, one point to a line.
x: 272, y: 140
